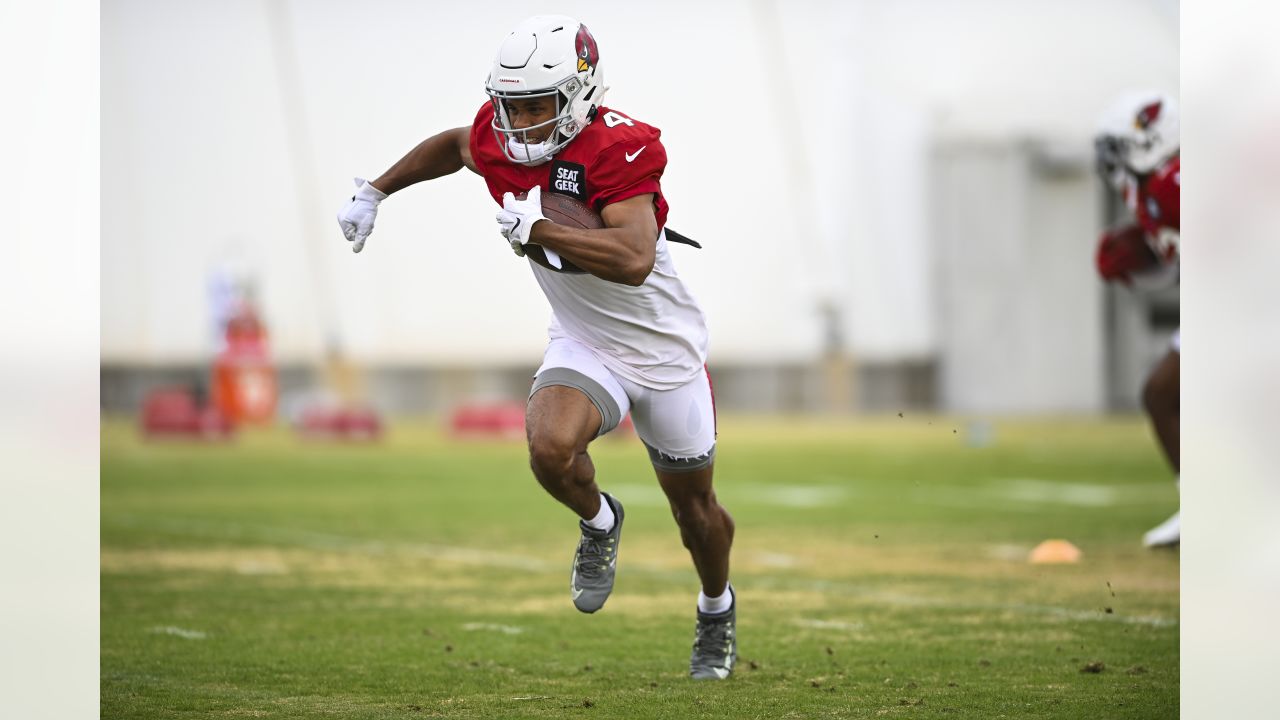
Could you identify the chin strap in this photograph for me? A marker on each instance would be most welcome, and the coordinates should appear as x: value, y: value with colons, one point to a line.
x: 534, y: 154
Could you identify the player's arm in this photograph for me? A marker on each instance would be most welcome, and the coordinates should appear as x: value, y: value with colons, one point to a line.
x: 623, y: 251
x: 438, y: 155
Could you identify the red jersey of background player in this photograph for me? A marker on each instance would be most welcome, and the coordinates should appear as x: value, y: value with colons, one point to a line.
x: 612, y: 159
x: 1155, y: 205
x: 1132, y: 249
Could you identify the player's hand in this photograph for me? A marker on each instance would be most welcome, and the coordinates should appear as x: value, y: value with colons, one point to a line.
x: 357, y: 216
x: 1122, y: 252
x: 516, y: 218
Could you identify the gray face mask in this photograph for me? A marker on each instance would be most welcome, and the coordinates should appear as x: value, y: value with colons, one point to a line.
x: 561, y: 129
x: 517, y: 144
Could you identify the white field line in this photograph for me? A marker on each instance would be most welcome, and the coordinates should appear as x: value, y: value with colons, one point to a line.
x: 487, y: 558
x: 795, y: 496
x: 328, y: 541
x: 1057, y: 493
x: 776, y: 560
x: 179, y: 632
x: 504, y: 629
x: 826, y: 624
x: 1027, y: 494
x: 638, y: 495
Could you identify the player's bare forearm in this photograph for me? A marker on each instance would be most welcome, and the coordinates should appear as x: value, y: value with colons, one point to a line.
x: 437, y: 156
x: 611, y: 254
x: 622, y: 252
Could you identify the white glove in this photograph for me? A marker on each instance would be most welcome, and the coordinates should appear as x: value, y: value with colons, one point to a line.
x: 516, y: 218
x: 357, y: 216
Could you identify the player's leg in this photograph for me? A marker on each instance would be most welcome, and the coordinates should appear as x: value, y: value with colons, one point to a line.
x: 706, y: 528
x: 1161, y: 399
x: 678, y: 427
x: 560, y: 422
x: 574, y: 400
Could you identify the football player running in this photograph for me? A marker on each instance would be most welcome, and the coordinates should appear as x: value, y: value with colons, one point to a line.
x: 1137, y: 152
x: 625, y: 335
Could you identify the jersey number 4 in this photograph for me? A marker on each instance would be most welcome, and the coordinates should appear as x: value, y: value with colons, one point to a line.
x: 613, y: 119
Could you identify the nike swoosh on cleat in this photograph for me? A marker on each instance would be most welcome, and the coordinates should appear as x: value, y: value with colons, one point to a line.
x: 721, y: 673
x: 573, y: 586
x: 636, y: 154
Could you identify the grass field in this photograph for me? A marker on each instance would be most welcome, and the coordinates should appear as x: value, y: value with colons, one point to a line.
x: 880, y: 567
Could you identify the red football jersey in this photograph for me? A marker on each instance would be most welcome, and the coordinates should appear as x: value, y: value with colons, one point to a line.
x: 612, y: 159
x: 1155, y: 206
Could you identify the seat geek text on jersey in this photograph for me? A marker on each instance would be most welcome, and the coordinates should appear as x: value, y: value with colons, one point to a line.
x: 569, y: 178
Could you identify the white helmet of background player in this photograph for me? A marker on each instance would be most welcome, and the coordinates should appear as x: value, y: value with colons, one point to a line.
x: 1137, y: 133
x: 546, y: 56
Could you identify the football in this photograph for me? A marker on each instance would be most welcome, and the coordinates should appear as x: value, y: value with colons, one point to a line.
x: 563, y: 210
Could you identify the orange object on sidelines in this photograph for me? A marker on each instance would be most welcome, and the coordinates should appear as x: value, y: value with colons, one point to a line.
x: 1055, y: 552
x: 244, y: 381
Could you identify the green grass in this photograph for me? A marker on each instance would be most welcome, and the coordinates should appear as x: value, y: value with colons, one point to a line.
x: 880, y: 567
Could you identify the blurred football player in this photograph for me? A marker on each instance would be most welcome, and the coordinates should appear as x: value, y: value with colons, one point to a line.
x: 1137, y: 153
x: 625, y: 336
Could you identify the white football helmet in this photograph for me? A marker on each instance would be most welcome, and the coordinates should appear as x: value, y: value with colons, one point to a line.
x: 546, y: 55
x: 1137, y: 133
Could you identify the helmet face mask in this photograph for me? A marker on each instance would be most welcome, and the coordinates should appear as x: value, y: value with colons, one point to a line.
x: 1110, y: 152
x: 1137, y: 134
x: 549, y: 56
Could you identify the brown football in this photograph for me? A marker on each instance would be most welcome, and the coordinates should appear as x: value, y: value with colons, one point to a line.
x: 563, y: 210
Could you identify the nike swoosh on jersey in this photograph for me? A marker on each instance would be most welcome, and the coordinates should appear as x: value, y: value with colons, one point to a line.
x: 636, y: 154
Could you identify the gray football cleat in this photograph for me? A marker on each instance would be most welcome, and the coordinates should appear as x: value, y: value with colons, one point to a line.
x: 595, y: 562
x: 715, y: 645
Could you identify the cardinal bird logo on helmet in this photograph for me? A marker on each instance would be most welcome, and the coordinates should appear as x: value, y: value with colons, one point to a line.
x: 1147, y: 115
x: 588, y: 53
